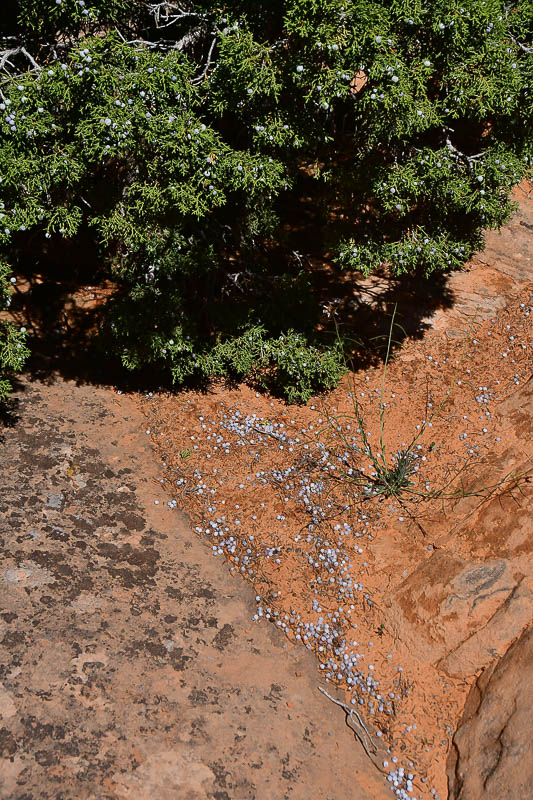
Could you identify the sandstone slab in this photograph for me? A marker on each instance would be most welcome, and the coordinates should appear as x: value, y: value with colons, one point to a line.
x: 130, y: 666
x: 459, y: 615
x: 492, y: 756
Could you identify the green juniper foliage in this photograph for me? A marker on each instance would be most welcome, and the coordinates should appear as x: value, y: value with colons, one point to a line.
x: 175, y: 133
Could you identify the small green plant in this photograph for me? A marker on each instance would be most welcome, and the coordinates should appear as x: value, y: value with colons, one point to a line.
x: 396, y: 475
x: 390, y: 476
x: 393, y: 480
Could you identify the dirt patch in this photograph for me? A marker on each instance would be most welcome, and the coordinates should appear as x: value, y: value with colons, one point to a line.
x: 403, y: 601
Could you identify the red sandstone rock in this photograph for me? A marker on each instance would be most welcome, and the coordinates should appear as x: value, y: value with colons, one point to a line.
x: 492, y: 756
x: 460, y: 615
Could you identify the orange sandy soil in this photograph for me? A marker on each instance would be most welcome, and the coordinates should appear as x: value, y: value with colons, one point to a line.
x: 240, y: 464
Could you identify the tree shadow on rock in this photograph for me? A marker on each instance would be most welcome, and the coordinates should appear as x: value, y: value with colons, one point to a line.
x: 64, y: 298
x: 362, y: 308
